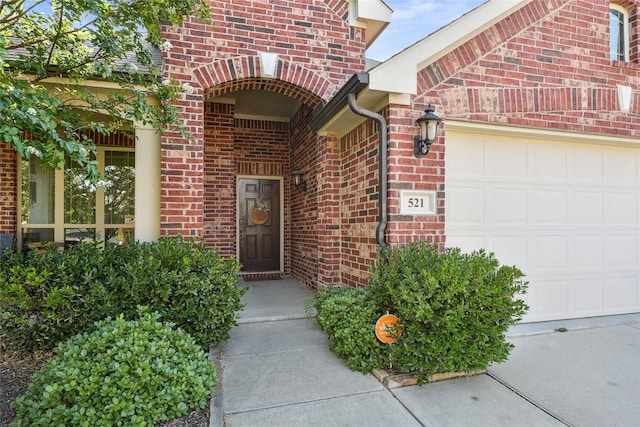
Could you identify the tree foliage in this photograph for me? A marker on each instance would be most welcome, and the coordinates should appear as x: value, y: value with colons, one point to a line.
x: 81, y: 40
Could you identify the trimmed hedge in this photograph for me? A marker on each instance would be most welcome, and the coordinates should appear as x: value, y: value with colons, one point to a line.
x: 347, y: 315
x: 46, y: 298
x: 454, y: 308
x: 124, y: 373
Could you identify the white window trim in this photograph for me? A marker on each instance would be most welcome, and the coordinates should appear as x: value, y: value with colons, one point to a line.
x: 626, y: 34
x: 59, y: 225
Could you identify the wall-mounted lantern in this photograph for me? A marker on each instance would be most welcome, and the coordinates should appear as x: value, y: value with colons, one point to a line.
x: 298, y: 182
x: 428, y: 128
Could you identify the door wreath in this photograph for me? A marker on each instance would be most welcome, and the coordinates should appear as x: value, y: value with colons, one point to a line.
x: 259, y: 214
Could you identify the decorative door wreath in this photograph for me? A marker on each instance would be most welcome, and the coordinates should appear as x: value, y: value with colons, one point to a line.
x: 259, y: 214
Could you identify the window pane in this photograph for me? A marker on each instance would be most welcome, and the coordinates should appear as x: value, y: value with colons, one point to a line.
x: 74, y: 235
x: 38, y: 198
x: 79, y: 195
x: 617, y: 39
x: 119, y: 195
x: 120, y: 236
x: 34, y: 235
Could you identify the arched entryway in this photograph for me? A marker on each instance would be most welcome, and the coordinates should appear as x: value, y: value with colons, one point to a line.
x: 256, y: 133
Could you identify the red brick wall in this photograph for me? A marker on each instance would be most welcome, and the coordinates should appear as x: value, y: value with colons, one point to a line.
x: 407, y: 172
x: 328, y: 221
x: 541, y: 67
x: 8, y: 189
x: 359, y: 202
x: 304, y: 231
x: 546, y: 66
x: 219, y: 179
x: 317, y: 52
x: 250, y: 147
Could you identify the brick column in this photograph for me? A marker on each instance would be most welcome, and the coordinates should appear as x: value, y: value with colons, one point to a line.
x: 329, y: 230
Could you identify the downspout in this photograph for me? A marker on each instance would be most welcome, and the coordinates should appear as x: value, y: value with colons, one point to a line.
x: 382, y: 168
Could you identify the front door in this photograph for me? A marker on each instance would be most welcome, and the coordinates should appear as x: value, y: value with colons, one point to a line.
x: 259, y: 216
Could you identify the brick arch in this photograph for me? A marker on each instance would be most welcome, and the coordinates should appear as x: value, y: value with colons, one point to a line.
x: 244, y: 73
x: 627, y: 4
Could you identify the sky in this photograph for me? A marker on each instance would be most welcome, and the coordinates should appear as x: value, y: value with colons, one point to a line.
x: 413, y: 20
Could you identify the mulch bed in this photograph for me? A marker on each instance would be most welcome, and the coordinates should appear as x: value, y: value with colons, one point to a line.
x: 16, y: 369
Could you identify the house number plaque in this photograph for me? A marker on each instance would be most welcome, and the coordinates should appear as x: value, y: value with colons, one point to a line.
x: 417, y: 202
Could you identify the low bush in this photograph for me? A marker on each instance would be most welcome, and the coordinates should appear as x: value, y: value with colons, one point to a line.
x: 454, y: 308
x: 135, y: 372
x: 46, y: 298
x: 347, y: 315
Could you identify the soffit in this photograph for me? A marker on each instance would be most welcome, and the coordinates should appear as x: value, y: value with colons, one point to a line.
x: 260, y: 105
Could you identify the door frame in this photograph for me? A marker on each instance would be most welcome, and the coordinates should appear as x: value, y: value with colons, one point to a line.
x: 282, y: 213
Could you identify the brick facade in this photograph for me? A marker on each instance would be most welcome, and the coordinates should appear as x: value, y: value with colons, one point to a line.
x: 317, y: 51
x: 547, y: 65
x: 8, y: 189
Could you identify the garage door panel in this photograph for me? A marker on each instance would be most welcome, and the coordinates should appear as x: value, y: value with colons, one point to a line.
x: 467, y: 242
x: 469, y: 158
x: 566, y: 213
x: 586, y: 252
x: 585, y: 207
x: 622, y: 209
x: 621, y: 294
x: 549, y: 252
x: 507, y: 162
x: 467, y: 205
x: 549, y: 163
x: 550, y: 297
x: 622, y: 251
x: 512, y: 250
x: 587, y: 296
x: 585, y: 164
x: 509, y: 205
x: 621, y: 168
x: 549, y: 207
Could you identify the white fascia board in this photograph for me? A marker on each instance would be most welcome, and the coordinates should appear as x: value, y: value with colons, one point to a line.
x: 476, y: 128
x: 346, y: 120
x: 399, y: 73
x: 372, y: 15
x: 374, y: 10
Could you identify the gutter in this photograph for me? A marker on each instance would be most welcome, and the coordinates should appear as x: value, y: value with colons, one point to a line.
x: 347, y: 96
x: 325, y: 112
x: 382, y: 167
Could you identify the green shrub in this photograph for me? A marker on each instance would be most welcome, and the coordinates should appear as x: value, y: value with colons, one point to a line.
x: 184, y: 281
x: 455, y: 307
x: 49, y: 297
x: 454, y: 310
x: 124, y: 373
x: 347, y: 316
x: 42, y: 299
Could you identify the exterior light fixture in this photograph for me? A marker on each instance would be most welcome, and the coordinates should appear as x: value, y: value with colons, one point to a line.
x: 297, y: 180
x: 428, y: 128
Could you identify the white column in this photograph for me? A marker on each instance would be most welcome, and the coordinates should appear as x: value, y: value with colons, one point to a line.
x: 147, y: 183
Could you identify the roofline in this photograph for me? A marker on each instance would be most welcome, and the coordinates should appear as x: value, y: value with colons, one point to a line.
x: 325, y: 112
x: 398, y: 74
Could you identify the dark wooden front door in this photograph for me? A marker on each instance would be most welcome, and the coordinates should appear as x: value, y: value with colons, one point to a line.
x: 260, y: 229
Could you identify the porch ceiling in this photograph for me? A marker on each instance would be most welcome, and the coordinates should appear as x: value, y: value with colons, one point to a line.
x: 260, y: 105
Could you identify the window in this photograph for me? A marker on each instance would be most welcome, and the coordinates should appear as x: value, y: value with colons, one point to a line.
x: 619, y: 33
x: 63, y: 206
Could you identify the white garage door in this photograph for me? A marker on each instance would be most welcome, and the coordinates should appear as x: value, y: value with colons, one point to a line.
x: 566, y: 213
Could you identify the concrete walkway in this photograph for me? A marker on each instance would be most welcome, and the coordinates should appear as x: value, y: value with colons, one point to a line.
x: 277, y: 370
